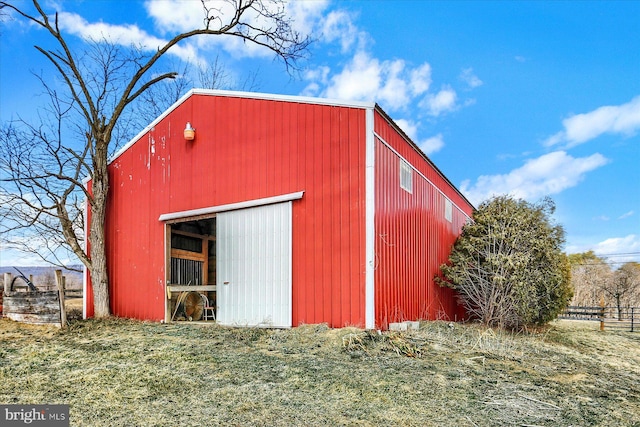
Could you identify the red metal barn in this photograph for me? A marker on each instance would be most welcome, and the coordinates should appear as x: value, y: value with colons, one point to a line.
x: 283, y: 210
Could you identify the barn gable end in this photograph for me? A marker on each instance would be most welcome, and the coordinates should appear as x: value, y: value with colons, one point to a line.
x: 341, y: 158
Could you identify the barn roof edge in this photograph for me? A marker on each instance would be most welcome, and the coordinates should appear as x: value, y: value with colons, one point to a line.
x: 238, y: 94
x: 365, y: 105
x: 418, y: 150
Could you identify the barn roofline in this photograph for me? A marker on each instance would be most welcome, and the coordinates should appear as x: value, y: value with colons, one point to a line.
x: 245, y: 95
x: 419, y: 151
x: 286, y: 98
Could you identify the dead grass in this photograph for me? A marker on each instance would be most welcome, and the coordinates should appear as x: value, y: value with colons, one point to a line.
x: 124, y: 373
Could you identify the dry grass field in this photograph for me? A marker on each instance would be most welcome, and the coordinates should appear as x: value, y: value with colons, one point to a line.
x: 128, y: 373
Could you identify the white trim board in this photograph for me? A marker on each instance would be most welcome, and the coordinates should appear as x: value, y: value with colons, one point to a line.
x: 286, y: 98
x: 184, y: 215
x: 370, y: 225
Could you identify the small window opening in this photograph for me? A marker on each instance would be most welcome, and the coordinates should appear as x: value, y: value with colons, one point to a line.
x: 406, y: 176
x: 448, y: 210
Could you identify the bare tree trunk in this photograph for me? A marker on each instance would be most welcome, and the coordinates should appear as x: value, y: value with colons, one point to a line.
x: 97, y: 241
x: 619, y: 304
x: 98, y: 88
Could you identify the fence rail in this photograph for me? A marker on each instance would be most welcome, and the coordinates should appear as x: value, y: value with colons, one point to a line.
x: 68, y: 293
x: 22, y: 301
x: 625, y: 318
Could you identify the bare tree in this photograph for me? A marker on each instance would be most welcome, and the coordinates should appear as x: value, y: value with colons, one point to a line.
x: 212, y: 75
x: 41, y: 186
x: 594, y: 280
x: 162, y: 95
x: 589, y: 274
x: 47, y: 279
x: 43, y: 178
x: 623, y: 286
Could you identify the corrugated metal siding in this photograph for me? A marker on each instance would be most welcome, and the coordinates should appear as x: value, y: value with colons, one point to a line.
x: 136, y: 253
x: 246, y: 149
x: 412, y: 236
x: 254, y: 266
x: 386, y: 132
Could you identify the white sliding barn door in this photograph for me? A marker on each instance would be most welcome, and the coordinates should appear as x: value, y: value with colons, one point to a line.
x: 253, y: 263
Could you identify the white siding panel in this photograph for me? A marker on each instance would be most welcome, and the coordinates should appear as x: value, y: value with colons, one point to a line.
x: 254, y: 266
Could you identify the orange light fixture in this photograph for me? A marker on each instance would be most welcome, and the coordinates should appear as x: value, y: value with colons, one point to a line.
x: 189, y: 132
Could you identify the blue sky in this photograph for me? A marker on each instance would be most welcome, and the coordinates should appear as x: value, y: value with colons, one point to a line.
x: 528, y: 98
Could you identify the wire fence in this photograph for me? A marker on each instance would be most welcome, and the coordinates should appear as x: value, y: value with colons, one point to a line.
x: 611, y: 317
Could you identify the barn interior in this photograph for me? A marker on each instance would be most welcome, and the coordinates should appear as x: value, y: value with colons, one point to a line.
x: 192, y: 270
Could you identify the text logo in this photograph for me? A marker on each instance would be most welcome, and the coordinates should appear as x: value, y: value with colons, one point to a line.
x: 34, y: 415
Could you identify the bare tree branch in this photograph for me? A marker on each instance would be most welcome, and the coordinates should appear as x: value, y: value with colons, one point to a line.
x: 43, y: 165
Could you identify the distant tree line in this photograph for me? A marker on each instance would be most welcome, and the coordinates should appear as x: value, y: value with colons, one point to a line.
x: 595, y: 281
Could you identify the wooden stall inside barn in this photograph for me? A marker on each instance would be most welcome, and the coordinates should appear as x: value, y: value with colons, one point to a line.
x: 191, y: 281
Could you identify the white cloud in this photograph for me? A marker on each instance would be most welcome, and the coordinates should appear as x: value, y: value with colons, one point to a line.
x: 408, y: 127
x: 124, y: 35
x: 361, y: 79
x: 11, y: 258
x: 364, y: 78
x: 545, y: 175
x: 616, y: 119
x: 432, y: 145
x: 176, y: 16
x: 616, y: 249
x: 470, y: 78
x: 318, y: 78
x: 626, y: 215
x: 395, y: 91
x: 308, y: 15
x: 429, y: 145
x: 338, y: 25
x: 441, y: 102
x: 420, y: 79
x: 320, y: 74
x: 620, y: 245
x: 15, y: 258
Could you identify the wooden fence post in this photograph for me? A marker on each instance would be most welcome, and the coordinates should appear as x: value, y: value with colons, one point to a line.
x: 3, y: 292
x: 60, y: 283
x: 602, y: 313
x: 7, y: 282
